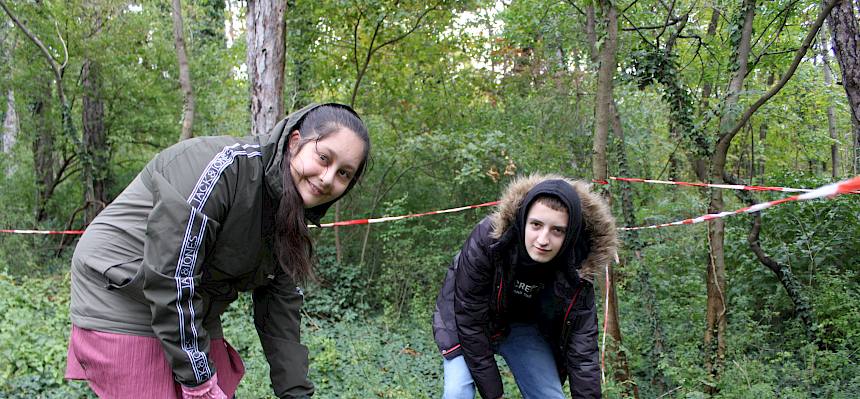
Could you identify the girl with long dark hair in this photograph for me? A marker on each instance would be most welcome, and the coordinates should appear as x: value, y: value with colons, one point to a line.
x: 205, y: 219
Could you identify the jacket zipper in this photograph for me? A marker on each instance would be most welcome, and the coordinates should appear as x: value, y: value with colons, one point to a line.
x: 572, y: 302
x: 565, y: 323
x: 499, y: 295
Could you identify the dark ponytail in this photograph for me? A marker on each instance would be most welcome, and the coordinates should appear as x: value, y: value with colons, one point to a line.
x: 293, y: 245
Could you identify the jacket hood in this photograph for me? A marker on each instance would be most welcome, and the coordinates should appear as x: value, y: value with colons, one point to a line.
x: 598, y: 225
x: 573, y: 248
x: 273, y: 146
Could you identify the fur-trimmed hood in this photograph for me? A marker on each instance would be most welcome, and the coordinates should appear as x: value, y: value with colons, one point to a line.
x: 598, y: 223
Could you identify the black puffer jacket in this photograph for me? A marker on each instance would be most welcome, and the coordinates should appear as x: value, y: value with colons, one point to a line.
x: 471, y: 309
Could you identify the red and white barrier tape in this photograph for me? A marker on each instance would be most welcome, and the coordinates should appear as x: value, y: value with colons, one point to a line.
x: 414, y: 215
x: 849, y: 186
x: 854, y: 190
x: 341, y: 223
x: 723, y: 186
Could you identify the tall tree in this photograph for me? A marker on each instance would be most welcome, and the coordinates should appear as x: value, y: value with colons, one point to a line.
x: 731, y: 122
x: 95, y: 146
x: 184, y: 73
x: 58, y: 70
x: 10, y: 117
x: 301, y: 34
x: 657, y: 378
x: 717, y: 306
x: 831, y: 113
x: 266, y: 58
x: 43, y: 144
x: 603, y: 119
x: 10, y: 123
x: 95, y: 150
x: 43, y: 148
x: 846, y: 47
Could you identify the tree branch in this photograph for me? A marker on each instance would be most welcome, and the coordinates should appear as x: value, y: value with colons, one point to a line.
x: 670, y: 10
x: 673, y: 21
x: 801, y: 52
x: 355, y: 41
x: 53, y: 63
x: 579, y: 10
x: 409, y: 32
x: 644, y: 39
x: 65, y: 48
x: 775, y: 17
x: 628, y: 7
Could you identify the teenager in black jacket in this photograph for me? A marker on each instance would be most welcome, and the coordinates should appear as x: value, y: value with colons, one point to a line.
x: 522, y: 287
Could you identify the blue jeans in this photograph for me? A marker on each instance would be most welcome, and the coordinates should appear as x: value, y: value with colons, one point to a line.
x: 530, y: 359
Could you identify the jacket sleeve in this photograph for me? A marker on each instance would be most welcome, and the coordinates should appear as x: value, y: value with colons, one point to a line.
x: 277, y: 317
x: 178, y: 237
x: 472, y: 293
x: 583, y: 367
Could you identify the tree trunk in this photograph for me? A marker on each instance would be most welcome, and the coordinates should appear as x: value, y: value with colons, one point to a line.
x: 95, y: 151
x: 831, y: 114
x: 10, y: 117
x: 266, y: 57
x: 762, y: 141
x: 43, y: 148
x: 184, y: 73
x: 846, y: 46
x: 10, y: 123
x: 856, y: 147
x: 793, y: 287
x: 603, y: 98
x: 656, y: 377
x: 715, y: 329
x: 603, y: 121
x: 300, y: 37
x: 591, y: 31
x: 700, y: 163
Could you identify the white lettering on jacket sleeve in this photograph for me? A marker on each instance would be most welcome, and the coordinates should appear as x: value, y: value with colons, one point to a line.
x: 191, y: 242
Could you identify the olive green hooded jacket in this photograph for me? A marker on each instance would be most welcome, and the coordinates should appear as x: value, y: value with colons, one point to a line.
x: 174, y: 249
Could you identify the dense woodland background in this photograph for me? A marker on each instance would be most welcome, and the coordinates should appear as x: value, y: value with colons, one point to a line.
x: 460, y: 96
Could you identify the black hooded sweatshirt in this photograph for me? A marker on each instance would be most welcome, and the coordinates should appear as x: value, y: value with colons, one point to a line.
x: 474, y: 305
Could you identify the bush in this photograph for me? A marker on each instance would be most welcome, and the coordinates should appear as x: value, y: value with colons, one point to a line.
x: 34, y: 333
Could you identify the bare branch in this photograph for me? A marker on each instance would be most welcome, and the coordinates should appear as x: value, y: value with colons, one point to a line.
x: 355, y: 41
x: 773, y: 39
x: 775, y: 17
x: 628, y: 7
x: 673, y: 21
x: 644, y: 39
x: 572, y: 4
x: 53, y: 63
x: 670, y: 10
x: 801, y: 52
x: 65, y: 48
x: 407, y: 33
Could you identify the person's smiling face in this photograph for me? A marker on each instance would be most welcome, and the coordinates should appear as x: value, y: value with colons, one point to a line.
x: 545, y: 230
x: 322, y: 169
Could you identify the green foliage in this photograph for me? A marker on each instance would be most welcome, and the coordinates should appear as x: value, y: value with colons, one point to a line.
x: 478, y: 92
x: 341, y: 292
x: 33, y: 335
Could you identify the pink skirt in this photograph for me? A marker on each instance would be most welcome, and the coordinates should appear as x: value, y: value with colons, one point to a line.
x: 128, y: 366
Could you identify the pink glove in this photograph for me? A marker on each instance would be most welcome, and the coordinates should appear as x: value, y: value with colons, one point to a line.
x: 206, y: 390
